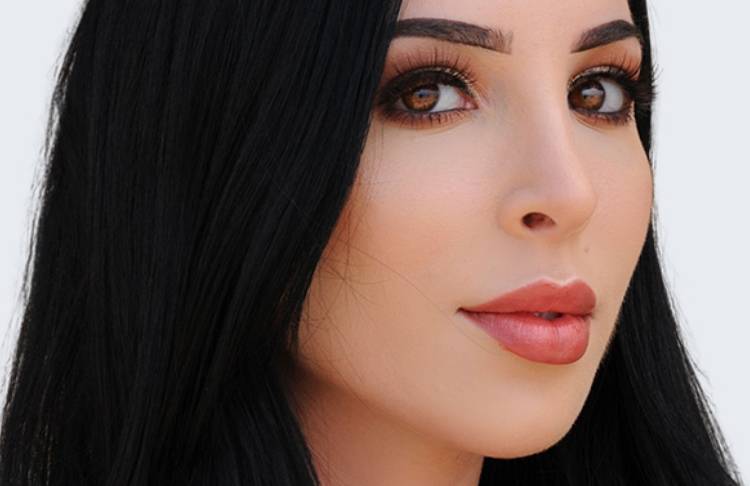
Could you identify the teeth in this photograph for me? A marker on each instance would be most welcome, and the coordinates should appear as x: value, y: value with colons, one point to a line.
x: 548, y: 315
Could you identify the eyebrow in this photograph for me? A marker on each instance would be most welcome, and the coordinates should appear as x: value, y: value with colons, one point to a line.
x: 496, y: 40
x: 607, y: 33
x: 454, y: 31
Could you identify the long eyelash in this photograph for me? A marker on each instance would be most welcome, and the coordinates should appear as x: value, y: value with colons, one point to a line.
x: 628, y: 74
x: 439, y: 66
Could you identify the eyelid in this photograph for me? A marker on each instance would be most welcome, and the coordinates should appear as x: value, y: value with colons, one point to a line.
x: 623, y: 65
x: 408, y: 67
x: 591, y: 73
x: 434, y: 74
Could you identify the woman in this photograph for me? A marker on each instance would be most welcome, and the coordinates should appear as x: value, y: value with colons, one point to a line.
x: 353, y: 243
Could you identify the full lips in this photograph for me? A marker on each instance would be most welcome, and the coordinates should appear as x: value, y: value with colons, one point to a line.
x: 558, y: 341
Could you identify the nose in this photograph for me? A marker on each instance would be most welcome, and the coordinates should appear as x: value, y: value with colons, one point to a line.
x: 553, y: 197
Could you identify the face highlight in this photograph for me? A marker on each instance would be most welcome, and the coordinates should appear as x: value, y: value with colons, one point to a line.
x: 485, y: 168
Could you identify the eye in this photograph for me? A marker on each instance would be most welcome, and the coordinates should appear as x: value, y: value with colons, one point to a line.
x: 430, y: 96
x: 600, y: 95
x: 605, y: 93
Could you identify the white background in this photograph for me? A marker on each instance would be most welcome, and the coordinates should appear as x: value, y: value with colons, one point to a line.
x: 702, y: 162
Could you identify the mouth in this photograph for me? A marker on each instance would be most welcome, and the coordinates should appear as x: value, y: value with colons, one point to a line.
x: 543, y: 321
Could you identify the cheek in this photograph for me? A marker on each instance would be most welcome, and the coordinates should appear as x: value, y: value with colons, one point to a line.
x: 379, y: 299
x: 412, y: 200
x: 424, y: 207
x: 625, y: 187
x: 617, y: 231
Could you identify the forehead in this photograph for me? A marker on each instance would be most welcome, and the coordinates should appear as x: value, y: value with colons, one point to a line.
x: 526, y: 22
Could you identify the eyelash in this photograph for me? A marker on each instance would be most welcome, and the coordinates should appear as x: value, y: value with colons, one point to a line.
x: 439, y: 68
x: 453, y: 70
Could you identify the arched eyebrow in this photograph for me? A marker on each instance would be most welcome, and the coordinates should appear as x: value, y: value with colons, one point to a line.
x: 607, y: 33
x: 454, y: 31
x: 496, y: 40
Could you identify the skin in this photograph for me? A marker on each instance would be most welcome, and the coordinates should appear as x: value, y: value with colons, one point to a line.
x: 393, y: 385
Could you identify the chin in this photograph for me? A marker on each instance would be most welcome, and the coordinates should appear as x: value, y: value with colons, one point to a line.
x: 533, y: 444
x: 528, y: 445
x: 527, y: 437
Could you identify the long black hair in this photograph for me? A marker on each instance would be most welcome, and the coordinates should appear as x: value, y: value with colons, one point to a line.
x: 198, y: 156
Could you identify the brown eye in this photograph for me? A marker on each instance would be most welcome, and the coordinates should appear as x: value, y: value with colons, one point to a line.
x: 423, y: 98
x: 589, y: 95
x: 431, y: 98
x: 596, y: 94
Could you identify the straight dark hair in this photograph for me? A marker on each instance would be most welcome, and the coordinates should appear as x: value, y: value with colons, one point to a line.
x: 198, y: 156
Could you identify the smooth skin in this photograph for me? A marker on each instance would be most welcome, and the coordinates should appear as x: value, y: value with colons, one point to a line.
x: 394, y: 385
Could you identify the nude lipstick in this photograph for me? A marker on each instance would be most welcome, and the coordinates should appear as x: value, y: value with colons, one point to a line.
x: 543, y: 321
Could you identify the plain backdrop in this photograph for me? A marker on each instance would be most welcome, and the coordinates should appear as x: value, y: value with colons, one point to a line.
x: 702, y: 176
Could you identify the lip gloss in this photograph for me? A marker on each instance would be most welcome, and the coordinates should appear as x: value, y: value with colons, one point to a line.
x: 562, y: 340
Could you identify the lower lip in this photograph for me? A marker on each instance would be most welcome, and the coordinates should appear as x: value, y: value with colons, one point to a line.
x: 559, y: 341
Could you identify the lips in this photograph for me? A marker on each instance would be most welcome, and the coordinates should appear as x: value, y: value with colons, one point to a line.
x: 543, y: 321
x: 576, y: 298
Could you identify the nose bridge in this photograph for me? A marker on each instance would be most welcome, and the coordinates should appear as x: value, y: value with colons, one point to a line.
x: 555, y: 196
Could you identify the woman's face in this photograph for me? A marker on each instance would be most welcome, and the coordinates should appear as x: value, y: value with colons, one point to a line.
x: 456, y: 160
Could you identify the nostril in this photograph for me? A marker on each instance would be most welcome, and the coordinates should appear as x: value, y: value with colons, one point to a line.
x: 537, y: 219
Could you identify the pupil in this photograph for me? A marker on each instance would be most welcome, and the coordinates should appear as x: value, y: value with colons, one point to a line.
x: 422, y: 98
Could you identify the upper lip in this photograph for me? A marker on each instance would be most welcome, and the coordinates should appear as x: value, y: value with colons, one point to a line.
x: 544, y: 295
